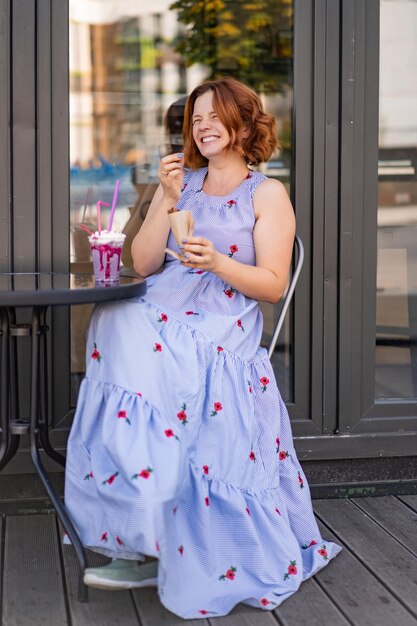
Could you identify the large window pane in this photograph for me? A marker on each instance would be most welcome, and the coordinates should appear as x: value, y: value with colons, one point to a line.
x: 396, y: 338
x: 129, y: 61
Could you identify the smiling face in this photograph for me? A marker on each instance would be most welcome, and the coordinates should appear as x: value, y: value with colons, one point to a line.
x: 209, y: 133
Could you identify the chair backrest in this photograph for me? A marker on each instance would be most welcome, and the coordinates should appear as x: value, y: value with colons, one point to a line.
x: 299, y: 255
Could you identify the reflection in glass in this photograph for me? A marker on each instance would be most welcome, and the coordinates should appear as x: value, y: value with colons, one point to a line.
x: 396, y: 323
x: 129, y: 61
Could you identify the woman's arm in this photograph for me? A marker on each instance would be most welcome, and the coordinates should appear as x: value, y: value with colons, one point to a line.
x: 273, y: 235
x: 149, y: 244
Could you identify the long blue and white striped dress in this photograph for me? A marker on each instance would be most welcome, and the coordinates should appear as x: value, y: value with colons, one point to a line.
x: 181, y: 446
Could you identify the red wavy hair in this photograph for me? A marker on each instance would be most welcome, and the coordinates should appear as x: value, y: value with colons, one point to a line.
x: 238, y: 107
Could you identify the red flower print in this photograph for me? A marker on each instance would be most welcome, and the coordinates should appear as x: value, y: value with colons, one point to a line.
x: 122, y: 415
x: 247, y: 511
x: 283, y: 455
x: 230, y: 574
x: 277, y: 441
x: 191, y: 313
x: 206, y: 469
x: 313, y: 542
x: 182, y: 415
x: 292, y: 570
x: 119, y: 541
x: 138, y: 394
x: 323, y: 552
x: 207, y: 501
x: 266, y: 602
x: 233, y: 249
x: 157, y: 347
x: 220, y: 349
x: 249, y: 386
x: 230, y: 203
x: 277, y: 510
x: 110, y: 479
x: 163, y: 317
x: 248, y: 176
x: 229, y: 292
x: 239, y: 325
x: 181, y: 550
x: 88, y: 476
x: 95, y: 355
x: 217, y: 407
x: 252, y: 456
x: 170, y: 433
x: 264, y: 382
x: 145, y: 473
x: 300, y: 481
x: 203, y: 612
x: 104, y: 537
x: 184, y: 186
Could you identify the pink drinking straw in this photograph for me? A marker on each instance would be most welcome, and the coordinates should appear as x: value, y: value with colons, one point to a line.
x: 114, y: 203
x: 90, y: 232
x: 99, y: 204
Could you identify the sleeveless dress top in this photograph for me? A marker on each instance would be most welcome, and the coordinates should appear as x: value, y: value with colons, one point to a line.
x: 181, y: 445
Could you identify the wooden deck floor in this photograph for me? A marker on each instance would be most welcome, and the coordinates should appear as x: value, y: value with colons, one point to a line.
x: 372, y: 582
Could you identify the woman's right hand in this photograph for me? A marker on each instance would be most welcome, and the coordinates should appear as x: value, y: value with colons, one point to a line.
x: 171, y: 175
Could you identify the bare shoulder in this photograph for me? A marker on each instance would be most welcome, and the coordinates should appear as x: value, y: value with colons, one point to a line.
x: 271, y: 196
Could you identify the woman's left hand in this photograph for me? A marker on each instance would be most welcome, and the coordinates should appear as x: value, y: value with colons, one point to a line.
x: 201, y: 254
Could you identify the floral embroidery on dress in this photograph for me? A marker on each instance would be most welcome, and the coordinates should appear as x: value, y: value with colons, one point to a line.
x: 277, y: 511
x: 145, y: 473
x: 204, y: 612
x: 277, y: 442
x: 195, y: 271
x: 230, y: 574
x: 229, y: 292
x: 205, y: 469
x: 233, y: 249
x: 157, y: 347
x: 217, y: 407
x: 110, y: 479
x: 247, y: 511
x: 123, y: 415
x: 181, y: 550
x: 191, y: 313
x: 292, y: 570
x: 104, y: 537
x: 249, y: 386
x: 88, y: 476
x: 284, y: 454
x: 266, y: 602
x: 323, y: 552
x: 264, y: 382
x: 219, y: 349
x: 119, y: 541
x: 184, y: 187
x: 313, y: 542
x: 182, y: 415
x: 300, y: 480
x: 170, y: 433
x: 139, y: 394
x: 163, y: 317
x: 95, y: 355
x: 240, y: 325
x: 252, y: 456
x: 206, y: 501
x: 230, y: 203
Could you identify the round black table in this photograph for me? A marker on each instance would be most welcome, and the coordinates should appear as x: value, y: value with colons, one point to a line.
x: 38, y: 291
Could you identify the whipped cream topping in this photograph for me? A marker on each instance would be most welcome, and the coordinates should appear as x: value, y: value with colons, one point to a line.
x: 107, y: 236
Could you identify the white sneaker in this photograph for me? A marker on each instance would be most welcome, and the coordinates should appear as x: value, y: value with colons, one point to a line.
x: 122, y: 574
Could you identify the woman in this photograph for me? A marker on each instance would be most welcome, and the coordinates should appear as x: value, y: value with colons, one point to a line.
x: 181, y: 448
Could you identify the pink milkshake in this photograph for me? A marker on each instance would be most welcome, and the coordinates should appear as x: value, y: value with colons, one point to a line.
x: 106, y: 249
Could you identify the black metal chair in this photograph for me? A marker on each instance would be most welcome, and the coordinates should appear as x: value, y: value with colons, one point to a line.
x: 298, y: 254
